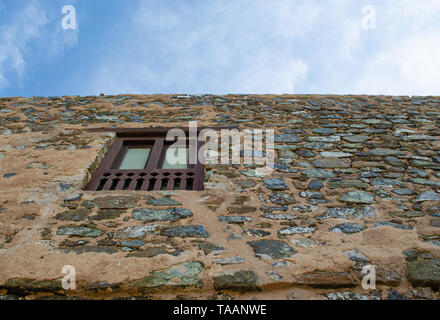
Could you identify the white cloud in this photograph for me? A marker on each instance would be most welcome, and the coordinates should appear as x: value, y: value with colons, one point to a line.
x: 27, y: 31
x: 14, y: 39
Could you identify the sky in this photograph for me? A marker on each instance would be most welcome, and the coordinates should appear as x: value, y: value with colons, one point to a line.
x: 387, y: 47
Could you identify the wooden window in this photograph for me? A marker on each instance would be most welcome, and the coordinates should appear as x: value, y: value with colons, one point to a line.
x: 144, y: 160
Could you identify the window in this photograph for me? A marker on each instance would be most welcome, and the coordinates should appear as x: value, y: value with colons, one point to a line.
x: 144, y: 160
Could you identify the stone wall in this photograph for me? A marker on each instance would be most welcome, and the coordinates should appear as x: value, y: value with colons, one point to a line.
x: 357, y: 183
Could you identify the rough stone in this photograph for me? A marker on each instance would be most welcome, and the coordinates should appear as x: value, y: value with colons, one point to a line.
x: 424, y: 273
x: 348, y: 228
x: 186, y: 231
x: 271, y: 249
x: 358, y: 196
x: 181, y: 275
x: 242, y: 281
x: 171, y: 214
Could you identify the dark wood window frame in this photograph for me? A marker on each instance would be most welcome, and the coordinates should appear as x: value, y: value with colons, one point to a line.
x: 109, y: 177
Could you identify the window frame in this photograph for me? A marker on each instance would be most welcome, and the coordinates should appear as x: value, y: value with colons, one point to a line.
x: 109, y: 170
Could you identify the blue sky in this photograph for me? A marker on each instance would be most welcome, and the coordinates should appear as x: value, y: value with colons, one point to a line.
x: 219, y: 47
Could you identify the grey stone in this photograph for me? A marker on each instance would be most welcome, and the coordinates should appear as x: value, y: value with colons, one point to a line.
x: 404, y: 192
x: 428, y: 196
x: 315, y: 184
x: 324, y: 131
x: 79, y: 231
x: 356, y: 139
x: 73, y: 215
x: 318, y: 173
x: 181, y: 275
x: 234, y: 219
x: 163, y: 202
x: 271, y: 249
x: 227, y: 261
x: 135, y: 232
x: 287, y: 138
x: 324, y: 139
x: 281, y: 198
x: 349, y: 228
x: 348, y: 213
x: 329, y: 154
x: 171, y: 214
x: 296, y: 230
x: 256, y: 233
x: 356, y: 255
x: 275, y: 184
x: 329, y: 163
x: 384, y: 152
x: 193, y: 231
x: 242, y: 281
x: 118, y: 202
x: 392, y: 224
x: 311, y: 195
x: 358, y: 196
x: 281, y: 216
x: 346, y: 184
x: 385, y: 183
x: 424, y: 273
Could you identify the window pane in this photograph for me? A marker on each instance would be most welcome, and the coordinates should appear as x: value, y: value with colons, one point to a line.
x: 176, y: 158
x: 135, y: 158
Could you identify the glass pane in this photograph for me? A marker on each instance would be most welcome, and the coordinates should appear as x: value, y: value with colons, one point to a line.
x: 176, y: 158
x: 135, y: 158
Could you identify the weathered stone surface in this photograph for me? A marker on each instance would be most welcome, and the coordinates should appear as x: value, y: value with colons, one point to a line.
x: 404, y: 192
x: 241, y: 209
x: 172, y: 214
x: 287, y: 138
x: 348, y: 228
x: 358, y: 196
x: 227, y: 261
x: 242, y: 281
x: 329, y: 163
x: 119, y: 202
x: 73, y: 215
x: 271, y: 249
x: 356, y: 255
x: 384, y: 152
x: 163, y: 202
x: 428, y: 196
x: 104, y: 214
x: 256, y: 233
x: 234, y: 219
x: 392, y: 224
x: 348, y: 213
x: 407, y: 214
x: 318, y: 173
x: 181, y: 275
x: 278, y: 216
x: 357, y: 139
x: 20, y: 285
x: 424, y: 273
x: 346, y: 184
x: 296, y: 230
x: 135, y: 232
x: 79, y: 231
x: 209, y: 248
x: 275, y: 184
x: 186, y: 231
x: 281, y: 198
